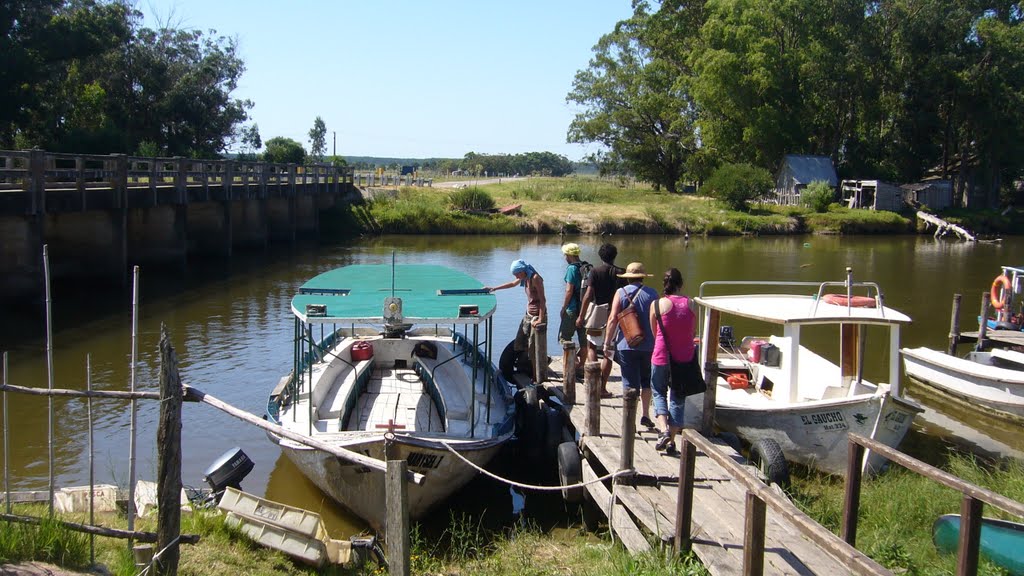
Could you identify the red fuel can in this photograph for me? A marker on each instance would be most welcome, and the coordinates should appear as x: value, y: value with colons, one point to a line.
x: 362, y: 351
x: 754, y: 353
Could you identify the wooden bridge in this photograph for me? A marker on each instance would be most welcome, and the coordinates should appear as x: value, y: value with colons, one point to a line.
x: 102, y: 214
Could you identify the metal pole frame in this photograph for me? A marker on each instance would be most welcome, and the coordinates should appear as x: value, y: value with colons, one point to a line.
x: 133, y: 411
x: 49, y: 370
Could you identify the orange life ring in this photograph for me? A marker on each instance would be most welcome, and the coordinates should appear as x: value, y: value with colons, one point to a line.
x: 854, y: 301
x: 999, y: 296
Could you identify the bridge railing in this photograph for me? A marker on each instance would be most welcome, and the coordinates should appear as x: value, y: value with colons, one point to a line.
x: 37, y: 172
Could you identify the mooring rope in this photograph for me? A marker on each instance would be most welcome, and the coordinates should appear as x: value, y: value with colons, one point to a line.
x: 532, y: 486
x: 156, y: 557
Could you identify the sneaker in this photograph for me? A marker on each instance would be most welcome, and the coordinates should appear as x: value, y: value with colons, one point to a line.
x: 663, y: 441
x: 670, y: 449
x: 645, y: 421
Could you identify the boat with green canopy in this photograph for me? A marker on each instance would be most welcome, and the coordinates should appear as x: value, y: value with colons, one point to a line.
x: 394, y: 358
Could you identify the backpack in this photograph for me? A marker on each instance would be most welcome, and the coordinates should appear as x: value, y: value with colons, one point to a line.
x: 584, y: 268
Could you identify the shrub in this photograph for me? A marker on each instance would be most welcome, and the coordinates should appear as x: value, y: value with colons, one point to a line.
x: 817, y: 196
x: 736, y: 184
x: 471, y: 199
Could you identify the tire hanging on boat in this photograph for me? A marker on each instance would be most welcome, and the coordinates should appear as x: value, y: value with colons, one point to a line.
x: 530, y: 423
x: 570, y: 471
x: 766, y: 455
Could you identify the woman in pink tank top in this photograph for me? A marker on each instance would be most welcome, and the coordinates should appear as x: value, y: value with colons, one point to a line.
x: 680, y: 326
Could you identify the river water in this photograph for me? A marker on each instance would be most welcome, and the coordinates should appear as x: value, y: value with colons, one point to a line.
x: 231, y: 327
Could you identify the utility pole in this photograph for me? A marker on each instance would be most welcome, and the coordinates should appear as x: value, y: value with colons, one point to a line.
x: 334, y: 136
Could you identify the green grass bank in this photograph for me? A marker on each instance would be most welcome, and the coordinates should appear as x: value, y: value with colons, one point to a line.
x: 582, y: 205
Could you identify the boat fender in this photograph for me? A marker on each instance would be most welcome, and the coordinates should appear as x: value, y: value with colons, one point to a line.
x: 766, y: 455
x: 1000, y: 288
x: 853, y: 301
x: 425, y: 349
x: 570, y: 471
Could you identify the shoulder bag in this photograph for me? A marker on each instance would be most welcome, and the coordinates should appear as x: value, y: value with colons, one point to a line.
x: 682, y: 376
x: 629, y: 324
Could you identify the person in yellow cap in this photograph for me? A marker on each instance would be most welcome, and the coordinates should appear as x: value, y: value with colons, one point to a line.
x: 571, y: 303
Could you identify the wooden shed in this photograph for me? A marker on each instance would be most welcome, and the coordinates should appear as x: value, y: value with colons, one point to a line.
x: 935, y: 194
x: 799, y: 170
x: 872, y: 194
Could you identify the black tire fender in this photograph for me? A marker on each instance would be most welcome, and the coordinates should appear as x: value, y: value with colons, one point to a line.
x: 570, y: 471
x: 767, y: 456
x: 530, y: 423
x: 553, y: 423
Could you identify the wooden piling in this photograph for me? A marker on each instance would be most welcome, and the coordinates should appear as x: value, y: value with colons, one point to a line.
x: 954, y: 326
x: 397, y: 502
x: 983, y: 324
x: 684, y: 495
x: 539, y: 348
x: 592, y: 375
x: 851, y: 506
x: 169, y: 458
x: 711, y: 381
x: 753, y: 535
x: 569, y: 372
x: 629, y: 401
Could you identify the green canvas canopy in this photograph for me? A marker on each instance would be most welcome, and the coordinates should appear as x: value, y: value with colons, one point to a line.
x: 429, y: 293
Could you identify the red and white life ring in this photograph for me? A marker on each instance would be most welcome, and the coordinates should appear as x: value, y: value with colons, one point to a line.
x: 853, y: 301
x: 1000, y: 288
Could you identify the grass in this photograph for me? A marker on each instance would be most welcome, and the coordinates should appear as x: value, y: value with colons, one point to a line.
x: 590, y: 205
x: 898, y: 508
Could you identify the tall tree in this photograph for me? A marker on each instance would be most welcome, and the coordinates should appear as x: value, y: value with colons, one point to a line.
x: 283, y: 150
x: 318, y: 140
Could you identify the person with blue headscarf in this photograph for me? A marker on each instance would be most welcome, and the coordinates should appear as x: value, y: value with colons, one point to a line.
x: 536, y: 305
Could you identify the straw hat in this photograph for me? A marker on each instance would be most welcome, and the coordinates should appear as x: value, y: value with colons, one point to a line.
x: 571, y: 249
x: 634, y: 270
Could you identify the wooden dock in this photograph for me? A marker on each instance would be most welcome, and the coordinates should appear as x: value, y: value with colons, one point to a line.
x: 642, y: 508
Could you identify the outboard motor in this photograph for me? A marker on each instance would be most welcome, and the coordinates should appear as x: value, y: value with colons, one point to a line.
x: 725, y: 337
x: 228, y: 470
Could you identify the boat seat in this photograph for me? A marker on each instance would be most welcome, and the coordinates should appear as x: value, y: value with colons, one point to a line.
x: 332, y: 405
x: 452, y: 384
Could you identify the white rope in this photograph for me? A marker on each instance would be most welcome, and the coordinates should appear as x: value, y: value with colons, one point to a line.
x: 531, y: 486
x: 156, y: 557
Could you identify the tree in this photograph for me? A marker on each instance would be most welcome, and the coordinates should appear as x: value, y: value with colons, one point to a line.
x: 281, y: 150
x: 737, y: 184
x: 635, y: 104
x: 318, y: 140
x: 251, y: 141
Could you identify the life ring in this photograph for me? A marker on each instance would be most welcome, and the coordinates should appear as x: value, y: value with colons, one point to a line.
x: 853, y: 301
x: 999, y: 296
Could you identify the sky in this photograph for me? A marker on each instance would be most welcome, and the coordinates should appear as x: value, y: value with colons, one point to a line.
x: 409, y: 79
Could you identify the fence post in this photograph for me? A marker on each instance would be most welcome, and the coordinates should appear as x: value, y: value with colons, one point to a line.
x: 711, y: 380
x: 970, y: 536
x: 851, y: 504
x: 684, y: 494
x: 397, y: 503
x: 753, y: 541
x: 539, y: 349
x: 592, y: 410
x: 954, y: 326
x: 569, y: 372
x: 983, y: 324
x: 169, y: 458
x: 629, y: 400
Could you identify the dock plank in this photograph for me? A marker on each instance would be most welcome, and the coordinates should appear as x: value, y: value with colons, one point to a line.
x: 719, y: 502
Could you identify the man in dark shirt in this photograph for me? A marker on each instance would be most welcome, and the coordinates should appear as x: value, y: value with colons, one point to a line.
x: 602, y: 284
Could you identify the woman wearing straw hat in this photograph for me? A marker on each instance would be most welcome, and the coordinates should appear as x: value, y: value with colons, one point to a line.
x: 634, y: 361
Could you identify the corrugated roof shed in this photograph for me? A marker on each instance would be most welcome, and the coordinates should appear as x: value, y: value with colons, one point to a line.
x: 799, y: 170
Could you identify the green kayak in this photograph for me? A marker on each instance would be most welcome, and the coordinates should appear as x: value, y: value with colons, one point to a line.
x: 1002, y: 542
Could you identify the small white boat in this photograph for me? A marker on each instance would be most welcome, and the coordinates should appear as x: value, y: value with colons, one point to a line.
x: 993, y: 379
x: 777, y: 388
x: 361, y: 370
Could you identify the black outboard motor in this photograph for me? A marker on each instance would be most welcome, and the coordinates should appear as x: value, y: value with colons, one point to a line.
x: 725, y: 337
x: 228, y: 470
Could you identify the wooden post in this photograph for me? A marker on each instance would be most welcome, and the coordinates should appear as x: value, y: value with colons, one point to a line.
x: 684, y: 495
x: 168, y: 442
x: 397, y: 527
x: 711, y: 380
x: 592, y: 410
x: 539, y: 347
x: 851, y: 503
x: 629, y: 400
x: 983, y: 324
x: 181, y: 179
x: 569, y: 372
x: 753, y: 540
x: 970, y: 536
x: 954, y: 326
x: 143, y: 554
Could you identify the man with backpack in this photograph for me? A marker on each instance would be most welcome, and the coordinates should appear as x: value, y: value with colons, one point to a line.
x: 574, y: 274
x: 598, y: 290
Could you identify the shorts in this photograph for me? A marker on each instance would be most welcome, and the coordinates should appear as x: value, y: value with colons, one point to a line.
x: 635, y: 366
x: 522, y: 341
x: 567, y: 327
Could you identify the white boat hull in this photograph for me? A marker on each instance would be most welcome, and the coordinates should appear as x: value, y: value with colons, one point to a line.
x: 973, y: 380
x: 816, y: 434
x: 362, y: 490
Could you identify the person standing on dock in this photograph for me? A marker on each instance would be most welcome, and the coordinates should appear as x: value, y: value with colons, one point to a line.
x: 596, y: 303
x: 634, y: 361
x: 536, y: 305
x: 674, y: 324
x: 568, y: 324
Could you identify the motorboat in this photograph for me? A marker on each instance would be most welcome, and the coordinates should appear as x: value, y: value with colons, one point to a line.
x: 992, y: 379
x: 774, y: 387
x: 393, y: 362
